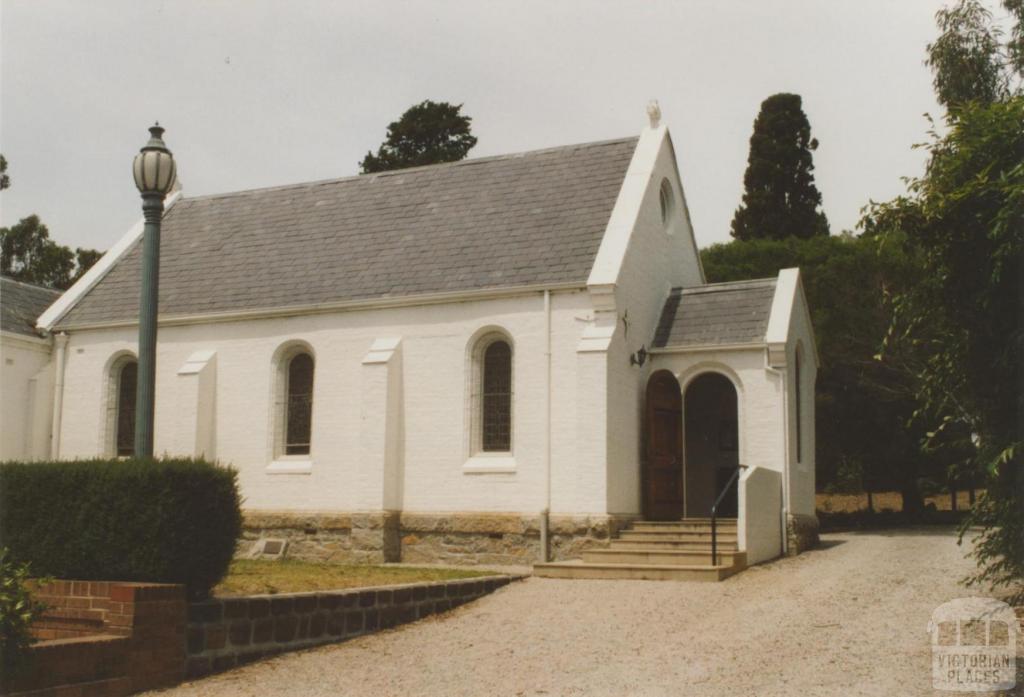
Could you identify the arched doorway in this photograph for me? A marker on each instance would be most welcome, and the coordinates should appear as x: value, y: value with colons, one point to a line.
x: 663, y: 464
x: 712, y: 444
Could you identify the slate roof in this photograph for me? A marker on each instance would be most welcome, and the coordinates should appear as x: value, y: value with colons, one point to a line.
x: 512, y: 220
x: 718, y: 313
x: 21, y: 304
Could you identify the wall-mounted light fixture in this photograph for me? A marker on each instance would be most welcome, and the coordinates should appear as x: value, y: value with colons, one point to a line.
x: 638, y: 358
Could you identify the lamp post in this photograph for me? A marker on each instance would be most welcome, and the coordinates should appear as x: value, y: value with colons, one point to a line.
x: 154, y: 172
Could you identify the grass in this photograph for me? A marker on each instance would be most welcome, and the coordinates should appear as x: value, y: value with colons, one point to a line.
x: 254, y: 577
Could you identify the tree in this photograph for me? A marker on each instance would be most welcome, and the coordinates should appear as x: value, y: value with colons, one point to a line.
x: 958, y: 329
x: 780, y: 198
x: 84, y: 260
x: 426, y: 134
x: 28, y: 254
x: 962, y: 321
x: 969, y: 60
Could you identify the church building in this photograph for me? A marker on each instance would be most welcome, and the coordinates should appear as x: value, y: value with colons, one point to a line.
x: 509, y: 359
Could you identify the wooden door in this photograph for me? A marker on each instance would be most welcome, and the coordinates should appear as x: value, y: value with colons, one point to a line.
x: 663, y: 470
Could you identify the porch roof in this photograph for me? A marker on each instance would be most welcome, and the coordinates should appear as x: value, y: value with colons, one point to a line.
x: 716, y: 314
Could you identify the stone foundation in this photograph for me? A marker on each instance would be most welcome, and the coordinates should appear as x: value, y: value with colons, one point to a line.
x: 361, y: 537
x: 801, y: 533
x: 426, y: 538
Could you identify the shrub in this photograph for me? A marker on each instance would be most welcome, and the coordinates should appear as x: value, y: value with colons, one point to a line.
x: 166, y: 521
x: 17, y: 612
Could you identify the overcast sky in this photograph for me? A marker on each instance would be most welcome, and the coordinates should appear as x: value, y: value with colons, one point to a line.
x: 266, y: 93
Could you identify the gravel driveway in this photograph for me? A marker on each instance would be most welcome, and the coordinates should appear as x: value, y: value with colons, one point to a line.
x: 847, y: 619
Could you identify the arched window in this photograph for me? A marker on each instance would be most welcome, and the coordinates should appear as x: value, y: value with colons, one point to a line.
x: 496, y: 399
x: 667, y: 201
x: 298, y: 406
x: 491, y: 394
x: 121, y: 407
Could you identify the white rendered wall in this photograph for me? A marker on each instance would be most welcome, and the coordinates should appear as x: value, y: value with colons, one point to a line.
x: 802, y: 471
x: 760, y: 524
x: 657, y: 259
x: 434, y: 363
x: 25, y: 396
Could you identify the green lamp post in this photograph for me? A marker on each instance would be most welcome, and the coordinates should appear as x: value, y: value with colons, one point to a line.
x: 154, y: 172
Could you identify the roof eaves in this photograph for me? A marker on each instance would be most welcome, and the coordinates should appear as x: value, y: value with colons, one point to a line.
x: 66, y: 302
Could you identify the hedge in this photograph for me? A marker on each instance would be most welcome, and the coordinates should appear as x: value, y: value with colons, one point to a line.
x: 165, y: 520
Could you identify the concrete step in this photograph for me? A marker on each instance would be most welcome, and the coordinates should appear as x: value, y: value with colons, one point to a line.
x: 684, y: 524
x: 669, y: 546
x: 660, y: 557
x: 682, y: 545
x: 681, y: 527
x: 677, y: 535
x: 651, y: 572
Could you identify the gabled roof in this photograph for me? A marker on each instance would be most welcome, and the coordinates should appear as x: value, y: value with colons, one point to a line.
x: 21, y: 304
x: 497, y: 222
x: 716, y: 314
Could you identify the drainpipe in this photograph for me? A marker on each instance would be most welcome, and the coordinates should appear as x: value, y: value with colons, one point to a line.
x: 781, y: 375
x: 545, y: 542
x: 61, y: 344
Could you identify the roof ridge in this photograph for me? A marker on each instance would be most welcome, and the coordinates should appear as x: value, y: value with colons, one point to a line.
x: 409, y: 170
x: 724, y: 285
x: 35, y: 286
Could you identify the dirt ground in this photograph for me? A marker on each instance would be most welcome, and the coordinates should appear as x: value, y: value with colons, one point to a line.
x: 847, y: 619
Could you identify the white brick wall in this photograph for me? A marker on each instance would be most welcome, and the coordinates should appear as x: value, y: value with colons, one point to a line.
x: 26, y: 386
x: 434, y: 349
x: 802, y: 474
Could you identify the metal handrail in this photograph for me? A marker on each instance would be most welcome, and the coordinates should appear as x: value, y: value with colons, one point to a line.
x: 714, y: 513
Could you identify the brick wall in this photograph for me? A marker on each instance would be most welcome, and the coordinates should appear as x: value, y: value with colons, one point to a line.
x: 117, y: 637
x: 226, y: 632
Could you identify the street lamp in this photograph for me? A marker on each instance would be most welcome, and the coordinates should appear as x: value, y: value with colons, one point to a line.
x: 154, y: 176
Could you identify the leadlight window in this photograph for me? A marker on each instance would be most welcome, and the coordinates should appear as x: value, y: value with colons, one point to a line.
x: 299, y: 405
x: 496, y: 398
x: 124, y: 437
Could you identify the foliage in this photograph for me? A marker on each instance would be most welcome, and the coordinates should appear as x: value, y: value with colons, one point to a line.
x: 5, y: 179
x: 863, y: 406
x: 17, y: 612
x: 958, y: 329
x: 28, y: 254
x: 427, y: 133
x: 170, y: 520
x: 969, y: 60
x: 780, y: 198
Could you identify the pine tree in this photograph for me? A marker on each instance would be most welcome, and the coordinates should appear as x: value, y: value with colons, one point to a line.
x: 780, y: 199
x: 427, y: 133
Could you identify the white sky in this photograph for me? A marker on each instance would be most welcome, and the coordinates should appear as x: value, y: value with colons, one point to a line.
x: 260, y: 93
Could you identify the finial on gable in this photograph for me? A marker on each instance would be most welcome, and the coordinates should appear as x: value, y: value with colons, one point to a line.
x: 654, y: 113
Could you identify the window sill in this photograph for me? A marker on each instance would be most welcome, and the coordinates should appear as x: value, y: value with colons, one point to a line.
x: 290, y: 467
x: 488, y: 463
